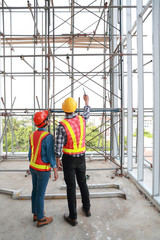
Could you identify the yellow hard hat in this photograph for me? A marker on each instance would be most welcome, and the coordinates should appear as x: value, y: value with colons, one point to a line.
x: 69, y: 105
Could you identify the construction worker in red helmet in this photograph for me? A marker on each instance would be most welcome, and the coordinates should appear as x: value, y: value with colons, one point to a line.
x: 42, y: 159
x: 70, y: 146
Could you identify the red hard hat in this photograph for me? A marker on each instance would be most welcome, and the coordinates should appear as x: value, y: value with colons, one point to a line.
x: 39, y: 118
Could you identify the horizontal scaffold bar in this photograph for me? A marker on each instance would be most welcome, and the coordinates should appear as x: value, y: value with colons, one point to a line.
x: 67, y: 7
x: 76, y: 55
x: 91, y: 110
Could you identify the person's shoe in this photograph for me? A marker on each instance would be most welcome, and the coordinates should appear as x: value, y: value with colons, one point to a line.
x: 87, y: 213
x: 35, y: 217
x: 44, y: 221
x: 69, y: 220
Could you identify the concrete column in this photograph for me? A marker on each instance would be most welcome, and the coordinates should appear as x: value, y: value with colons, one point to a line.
x: 156, y: 96
x: 140, y: 172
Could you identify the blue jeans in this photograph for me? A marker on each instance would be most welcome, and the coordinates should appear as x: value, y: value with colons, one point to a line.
x: 39, y: 184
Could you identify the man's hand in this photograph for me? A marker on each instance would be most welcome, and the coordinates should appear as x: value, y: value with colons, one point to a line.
x: 86, y: 99
x: 59, y: 164
x: 55, y: 174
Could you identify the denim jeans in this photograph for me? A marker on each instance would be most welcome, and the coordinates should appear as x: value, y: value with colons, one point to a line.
x: 75, y: 167
x: 39, y: 184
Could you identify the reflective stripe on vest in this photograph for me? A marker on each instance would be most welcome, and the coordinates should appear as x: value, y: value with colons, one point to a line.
x: 76, y: 149
x: 41, y: 166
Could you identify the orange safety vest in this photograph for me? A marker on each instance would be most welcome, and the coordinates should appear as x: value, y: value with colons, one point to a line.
x: 75, y: 130
x: 35, y: 142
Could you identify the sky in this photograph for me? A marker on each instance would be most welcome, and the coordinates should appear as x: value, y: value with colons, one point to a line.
x: 22, y: 86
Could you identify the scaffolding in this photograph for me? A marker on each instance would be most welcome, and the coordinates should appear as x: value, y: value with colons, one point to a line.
x: 55, y: 49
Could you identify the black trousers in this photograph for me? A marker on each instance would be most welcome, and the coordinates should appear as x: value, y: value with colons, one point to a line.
x: 75, y: 167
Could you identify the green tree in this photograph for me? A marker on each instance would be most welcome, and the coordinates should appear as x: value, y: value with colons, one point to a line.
x: 146, y: 134
x: 21, y: 132
x: 23, y: 128
x: 96, y: 139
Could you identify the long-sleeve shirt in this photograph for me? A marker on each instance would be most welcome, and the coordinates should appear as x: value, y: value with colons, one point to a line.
x: 47, y: 150
x: 61, y: 136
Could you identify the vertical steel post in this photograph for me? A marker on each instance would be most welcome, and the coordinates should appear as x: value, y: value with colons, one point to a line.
x: 140, y: 173
x: 4, y: 71
x: 46, y: 55
x: 34, y: 60
x: 53, y: 72
x: 1, y: 142
x: 115, y: 80
x: 72, y: 37
x: 121, y: 87
x: 11, y: 74
x: 156, y: 97
x: 104, y: 82
x: 49, y: 52
x: 111, y: 76
x: 129, y: 90
x: 42, y: 63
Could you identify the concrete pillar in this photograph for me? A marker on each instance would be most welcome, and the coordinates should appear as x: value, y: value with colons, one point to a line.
x: 156, y: 98
x: 140, y: 172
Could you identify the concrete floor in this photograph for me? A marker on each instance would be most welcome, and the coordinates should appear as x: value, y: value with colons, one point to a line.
x: 112, y: 218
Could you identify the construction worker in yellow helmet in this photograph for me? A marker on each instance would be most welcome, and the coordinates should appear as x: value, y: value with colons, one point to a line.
x: 70, y: 147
